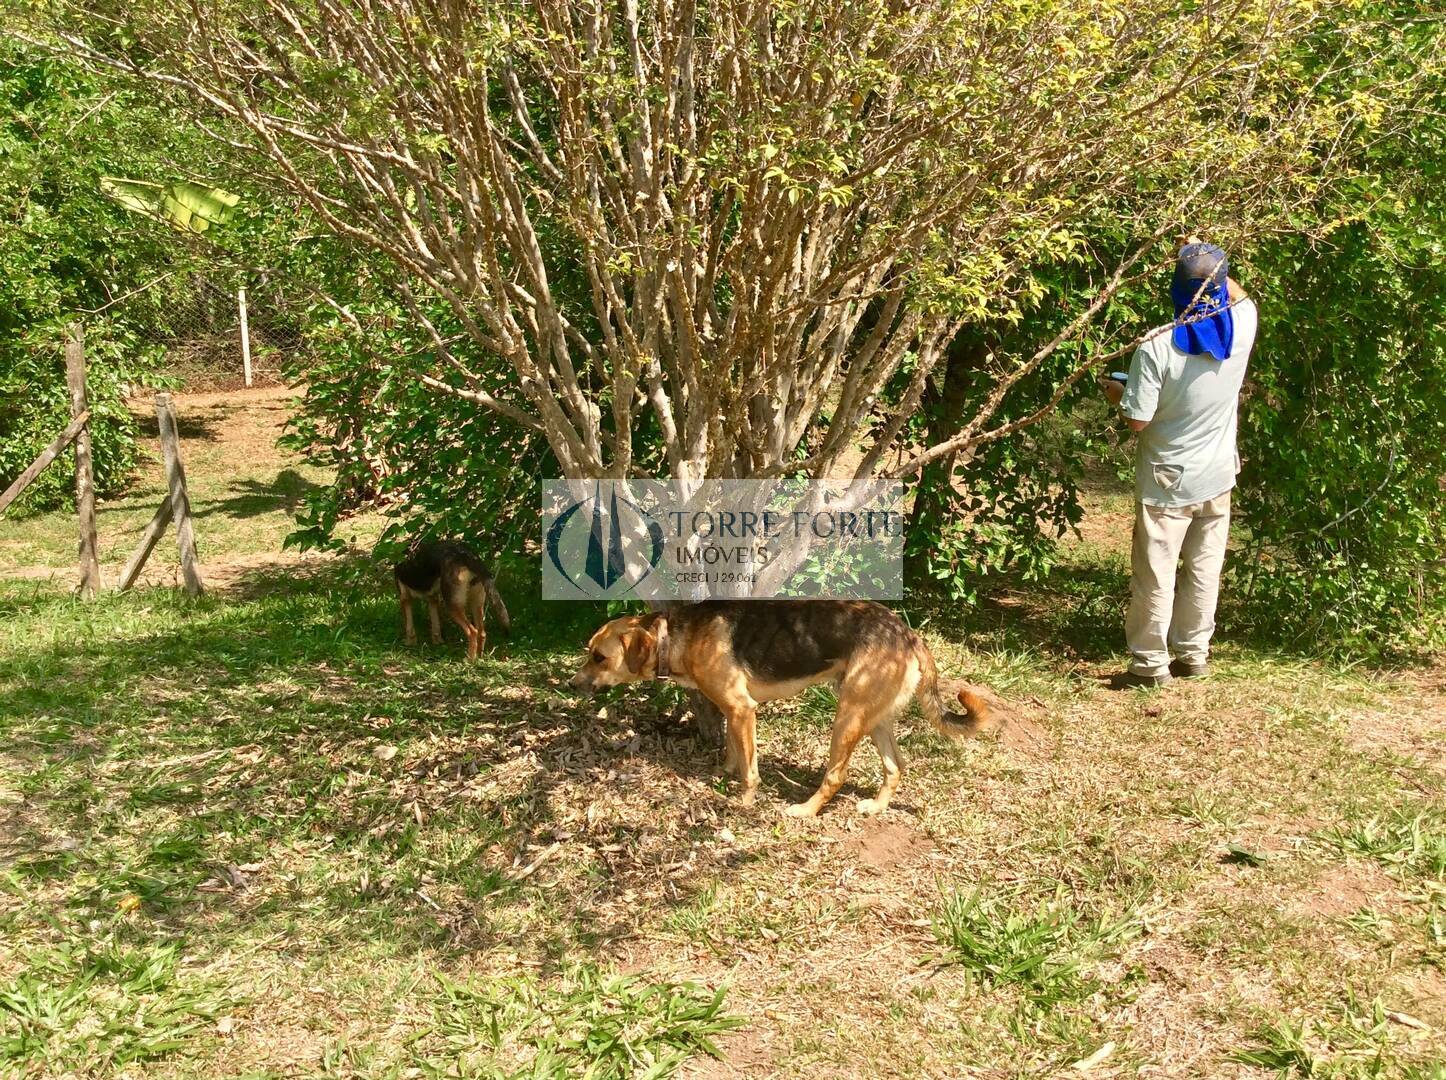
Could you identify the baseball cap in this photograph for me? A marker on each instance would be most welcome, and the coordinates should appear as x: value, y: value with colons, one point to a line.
x: 1202, y: 262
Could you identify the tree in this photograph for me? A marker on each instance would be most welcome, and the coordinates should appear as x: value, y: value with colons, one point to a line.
x: 742, y: 235
x: 68, y: 252
x: 436, y: 464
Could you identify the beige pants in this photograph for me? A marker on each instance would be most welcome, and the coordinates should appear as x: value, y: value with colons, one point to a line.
x: 1172, y: 612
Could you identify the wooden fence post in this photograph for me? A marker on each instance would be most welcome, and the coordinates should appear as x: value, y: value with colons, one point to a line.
x: 180, y: 505
x: 245, y: 335
x: 84, y: 477
x: 143, y: 550
x: 36, y: 467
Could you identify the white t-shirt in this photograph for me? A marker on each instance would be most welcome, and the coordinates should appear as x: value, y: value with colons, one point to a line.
x: 1187, y: 454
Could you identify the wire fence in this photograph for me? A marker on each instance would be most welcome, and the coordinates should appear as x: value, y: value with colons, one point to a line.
x: 196, y: 321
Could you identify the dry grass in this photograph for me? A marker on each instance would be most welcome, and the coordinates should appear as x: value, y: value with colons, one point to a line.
x: 305, y: 851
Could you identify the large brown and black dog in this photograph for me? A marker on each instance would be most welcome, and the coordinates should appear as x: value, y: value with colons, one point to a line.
x: 744, y: 652
x: 450, y: 574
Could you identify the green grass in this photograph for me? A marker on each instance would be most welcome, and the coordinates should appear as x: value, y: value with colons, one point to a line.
x: 1359, y: 1042
x: 1412, y: 842
x: 1210, y: 811
x: 582, y: 1023
x: 1045, y: 948
x: 202, y: 780
x: 106, y: 1008
x: 256, y: 836
x: 593, y: 1024
x: 268, y: 790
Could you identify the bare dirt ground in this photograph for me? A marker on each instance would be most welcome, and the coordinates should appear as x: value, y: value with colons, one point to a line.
x: 243, y: 490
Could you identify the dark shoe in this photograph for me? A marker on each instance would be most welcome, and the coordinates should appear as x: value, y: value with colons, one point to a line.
x: 1129, y: 680
x: 1181, y: 670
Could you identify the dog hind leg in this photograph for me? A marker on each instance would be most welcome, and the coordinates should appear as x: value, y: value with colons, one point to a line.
x: 904, y: 684
x: 454, y: 590
x: 868, y: 696
x: 850, y: 726
x: 731, y: 750
x: 888, y: 747
x: 477, y: 608
x: 459, y: 616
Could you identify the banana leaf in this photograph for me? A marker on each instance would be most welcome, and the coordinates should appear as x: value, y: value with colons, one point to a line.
x: 187, y: 206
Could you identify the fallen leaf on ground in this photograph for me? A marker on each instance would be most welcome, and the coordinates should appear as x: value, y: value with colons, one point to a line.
x: 1407, y: 1020
x: 531, y: 868
x: 1085, y: 1064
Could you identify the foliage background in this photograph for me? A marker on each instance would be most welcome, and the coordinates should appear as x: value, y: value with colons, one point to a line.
x: 1339, y: 512
x: 1344, y: 433
x: 66, y: 252
x: 440, y: 465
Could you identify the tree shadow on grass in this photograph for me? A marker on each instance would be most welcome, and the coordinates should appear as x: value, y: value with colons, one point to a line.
x: 539, y: 627
x: 205, y: 427
x: 251, y: 498
x: 272, y: 769
x: 1076, y: 615
x: 421, y: 788
x: 274, y: 764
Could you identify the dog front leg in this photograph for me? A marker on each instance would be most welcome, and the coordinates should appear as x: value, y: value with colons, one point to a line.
x: 742, y: 754
x: 409, y: 628
x: 434, y: 612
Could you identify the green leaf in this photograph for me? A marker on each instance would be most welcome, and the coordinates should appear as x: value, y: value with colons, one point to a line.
x: 1239, y: 856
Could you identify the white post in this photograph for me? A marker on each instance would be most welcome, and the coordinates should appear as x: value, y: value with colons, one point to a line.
x: 245, y: 334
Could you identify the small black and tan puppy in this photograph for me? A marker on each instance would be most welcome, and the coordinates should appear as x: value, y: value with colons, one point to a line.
x: 449, y: 573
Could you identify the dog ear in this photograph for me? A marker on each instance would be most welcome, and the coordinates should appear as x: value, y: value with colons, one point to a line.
x: 639, y: 645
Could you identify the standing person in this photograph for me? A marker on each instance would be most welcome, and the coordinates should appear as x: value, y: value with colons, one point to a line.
x: 1180, y: 399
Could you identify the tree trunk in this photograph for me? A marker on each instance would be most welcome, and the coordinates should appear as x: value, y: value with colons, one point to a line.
x: 708, y: 718
x: 947, y: 412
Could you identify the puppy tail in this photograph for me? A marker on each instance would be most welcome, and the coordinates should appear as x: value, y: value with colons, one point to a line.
x: 977, y: 717
x: 504, y: 620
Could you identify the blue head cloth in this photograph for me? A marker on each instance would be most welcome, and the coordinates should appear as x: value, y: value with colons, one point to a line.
x: 1202, y: 301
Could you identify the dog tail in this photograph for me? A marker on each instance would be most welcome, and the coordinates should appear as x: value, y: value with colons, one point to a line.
x: 977, y: 717
x: 468, y: 558
x: 504, y: 620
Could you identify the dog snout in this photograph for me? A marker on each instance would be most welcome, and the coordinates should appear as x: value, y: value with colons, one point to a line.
x: 582, y: 681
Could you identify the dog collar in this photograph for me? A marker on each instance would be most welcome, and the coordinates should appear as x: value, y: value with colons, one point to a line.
x: 661, y: 670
